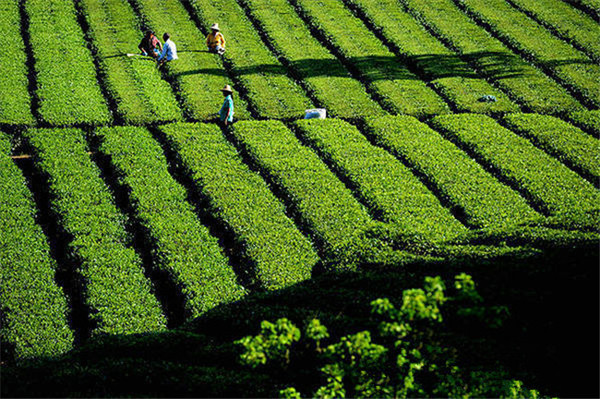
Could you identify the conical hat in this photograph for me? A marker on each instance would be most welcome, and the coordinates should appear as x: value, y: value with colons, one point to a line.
x: 227, y: 88
x: 215, y: 27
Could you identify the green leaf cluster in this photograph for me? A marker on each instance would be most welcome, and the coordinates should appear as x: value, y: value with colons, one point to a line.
x: 399, y: 358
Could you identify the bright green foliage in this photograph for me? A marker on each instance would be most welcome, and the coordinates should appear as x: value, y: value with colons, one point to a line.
x: 524, y: 83
x: 242, y: 200
x: 268, y: 87
x: 273, y: 342
x: 566, y: 142
x: 400, y: 358
x: 67, y: 85
x: 572, y: 68
x: 387, y: 186
x: 544, y: 179
x: 570, y: 23
x: 183, y: 247
x: 587, y: 120
x: 135, y: 83
x: 591, y: 6
x: 198, y: 75
x: 34, y: 308
x: 452, y: 76
x: 116, y: 289
x: 15, y: 104
x: 321, y: 201
x: 323, y: 74
x: 483, y: 200
x: 387, y: 75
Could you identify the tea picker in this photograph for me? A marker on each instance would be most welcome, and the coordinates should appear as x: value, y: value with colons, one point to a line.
x: 215, y: 41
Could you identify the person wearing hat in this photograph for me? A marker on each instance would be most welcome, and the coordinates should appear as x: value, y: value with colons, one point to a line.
x: 150, y: 45
x: 215, y: 40
x: 226, y: 112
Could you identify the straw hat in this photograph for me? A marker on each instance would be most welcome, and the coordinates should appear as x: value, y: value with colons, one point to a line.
x: 215, y: 27
x: 227, y: 89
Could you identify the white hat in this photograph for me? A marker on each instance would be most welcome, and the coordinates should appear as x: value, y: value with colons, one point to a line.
x: 227, y: 89
x: 215, y: 27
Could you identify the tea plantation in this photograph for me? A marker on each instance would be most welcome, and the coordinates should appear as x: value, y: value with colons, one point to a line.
x: 139, y: 233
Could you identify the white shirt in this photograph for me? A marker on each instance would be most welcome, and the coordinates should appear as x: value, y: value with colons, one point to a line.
x: 169, y: 51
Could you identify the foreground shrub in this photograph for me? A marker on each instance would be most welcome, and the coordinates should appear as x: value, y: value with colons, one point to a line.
x: 398, y: 355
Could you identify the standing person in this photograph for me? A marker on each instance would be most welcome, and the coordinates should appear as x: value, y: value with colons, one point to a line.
x: 215, y: 40
x: 169, y: 51
x: 226, y: 112
x: 150, y: 45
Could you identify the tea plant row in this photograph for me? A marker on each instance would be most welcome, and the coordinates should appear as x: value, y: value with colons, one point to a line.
x: 453, y: 77
x: 197, y: 75
x: 34, y: 308
x: 135, y: 84
x: 569, y: 23
x: 547, y: 182
x: 388, y: 187
x: 264, y: 79
x: 564, y: 141
x: 182, y: 246
x: 465, y: 184
x: 15, y: 103
x: 114, y: 286
x: 320, y: 200
x: 524, y: 83
x: 570, y: 66
x: 67, y: 85
x: 243, y: 202
x: 322, y: 73
x: 388, y: 76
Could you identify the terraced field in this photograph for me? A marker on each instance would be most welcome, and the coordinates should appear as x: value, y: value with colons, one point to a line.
x: 457, y: 129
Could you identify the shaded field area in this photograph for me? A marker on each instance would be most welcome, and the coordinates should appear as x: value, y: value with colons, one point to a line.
x: 546, y: 342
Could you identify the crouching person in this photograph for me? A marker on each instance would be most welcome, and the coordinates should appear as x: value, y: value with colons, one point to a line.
x: 226, y: 112
x: 215, y: 40
x: 169, y: 50
x: 150, y: 46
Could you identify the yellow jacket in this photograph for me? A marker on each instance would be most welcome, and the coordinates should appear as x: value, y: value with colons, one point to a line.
x: 213, y: 40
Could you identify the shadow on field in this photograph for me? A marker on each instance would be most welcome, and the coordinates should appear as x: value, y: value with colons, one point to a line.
x: 495, y: 65
x: 550, y: 341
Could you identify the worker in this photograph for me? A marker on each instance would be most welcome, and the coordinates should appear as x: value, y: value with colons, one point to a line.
x: 150, y: 45
x: 169, y: 51
x: 215, y: 40
x: 226, y: 112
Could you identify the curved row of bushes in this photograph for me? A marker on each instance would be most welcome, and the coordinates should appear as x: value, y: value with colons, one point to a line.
x: 115, y: 289
x: 34, y: 308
